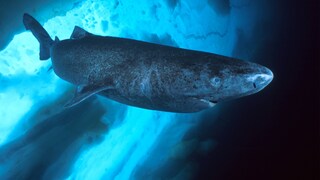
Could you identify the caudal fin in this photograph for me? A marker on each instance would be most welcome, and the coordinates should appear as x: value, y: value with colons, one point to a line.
x: 40, y: 33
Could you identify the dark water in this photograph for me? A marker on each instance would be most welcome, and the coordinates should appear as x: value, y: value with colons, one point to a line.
x: 278, y: 135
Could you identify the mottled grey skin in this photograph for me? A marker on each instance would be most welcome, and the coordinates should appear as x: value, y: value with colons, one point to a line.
x: 153, y: 76
x: 147, y: 75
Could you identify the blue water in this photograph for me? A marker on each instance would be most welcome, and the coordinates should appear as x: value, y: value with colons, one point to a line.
x: 102, y: 139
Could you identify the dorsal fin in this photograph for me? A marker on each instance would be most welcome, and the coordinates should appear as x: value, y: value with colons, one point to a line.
x: 56, y: 39
x: 79, y: 33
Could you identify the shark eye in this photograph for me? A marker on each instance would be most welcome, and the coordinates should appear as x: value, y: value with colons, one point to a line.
x: 216, y: 81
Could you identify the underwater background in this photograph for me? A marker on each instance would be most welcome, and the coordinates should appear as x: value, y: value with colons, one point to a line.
x: 273, y: 134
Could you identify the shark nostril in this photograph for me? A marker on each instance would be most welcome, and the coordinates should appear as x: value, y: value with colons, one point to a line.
x: 254, y: 85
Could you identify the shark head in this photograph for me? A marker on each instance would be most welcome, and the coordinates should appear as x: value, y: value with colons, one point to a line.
x: 234, y: 80
x: 240, y: 81
x: 225, y: 79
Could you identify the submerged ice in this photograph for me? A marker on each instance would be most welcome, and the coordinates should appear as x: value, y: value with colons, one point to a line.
x: 102, y: 139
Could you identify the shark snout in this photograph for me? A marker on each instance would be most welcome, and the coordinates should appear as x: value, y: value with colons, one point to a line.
x: 261, y: 79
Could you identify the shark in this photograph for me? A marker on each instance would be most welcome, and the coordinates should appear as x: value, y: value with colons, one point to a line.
x: 146, y: 75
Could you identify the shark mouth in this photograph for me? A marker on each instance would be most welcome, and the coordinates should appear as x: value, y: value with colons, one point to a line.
x: 209, y: 102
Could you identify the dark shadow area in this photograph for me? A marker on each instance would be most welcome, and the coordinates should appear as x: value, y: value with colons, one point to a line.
x: 172, y: 3
x: 273, y: 134
x: 49, y: 149
x: 221, y: 7
x: 251, y: 47
x: 165, y: 39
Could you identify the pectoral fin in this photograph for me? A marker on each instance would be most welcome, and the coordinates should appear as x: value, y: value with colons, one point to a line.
x: 84, y: 92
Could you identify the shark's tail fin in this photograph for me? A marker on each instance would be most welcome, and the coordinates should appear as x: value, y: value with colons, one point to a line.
x: 40, y: 33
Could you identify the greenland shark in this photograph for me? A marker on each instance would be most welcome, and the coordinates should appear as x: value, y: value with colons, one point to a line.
x: 147, y: 75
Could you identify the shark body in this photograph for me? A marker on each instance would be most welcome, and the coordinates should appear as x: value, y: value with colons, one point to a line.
x: 147, y: 75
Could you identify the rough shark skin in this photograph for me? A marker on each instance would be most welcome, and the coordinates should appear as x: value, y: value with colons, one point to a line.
x: 147, y: 75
